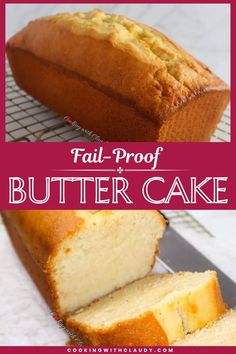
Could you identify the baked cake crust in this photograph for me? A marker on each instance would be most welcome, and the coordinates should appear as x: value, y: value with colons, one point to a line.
x: 117, y: 62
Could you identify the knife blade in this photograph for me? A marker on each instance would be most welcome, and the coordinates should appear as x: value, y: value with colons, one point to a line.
x: 176, y: 254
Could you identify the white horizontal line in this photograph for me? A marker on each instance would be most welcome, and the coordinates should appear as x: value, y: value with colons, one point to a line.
x: 151, y: 170
x: 117, y: 169
x: 85, y: 170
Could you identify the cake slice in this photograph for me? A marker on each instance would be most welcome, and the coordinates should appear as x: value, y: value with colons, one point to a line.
x: 220, y: 333
x: 84, y: 255
x: 156, y: 310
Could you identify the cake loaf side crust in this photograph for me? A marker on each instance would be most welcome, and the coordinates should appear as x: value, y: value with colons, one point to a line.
x: 112, y: 117
x: 68, y: 95
x: 144, y: 330
x: 35, y: 272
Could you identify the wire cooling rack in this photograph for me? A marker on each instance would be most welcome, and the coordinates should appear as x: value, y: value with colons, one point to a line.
x: 27, y: 120
x: 184, y: 218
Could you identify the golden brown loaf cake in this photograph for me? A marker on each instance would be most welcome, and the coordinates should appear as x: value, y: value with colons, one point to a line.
x: 220, y: 333
x: 87, y: 254
x: 123, y: 80
x: 156, y: 310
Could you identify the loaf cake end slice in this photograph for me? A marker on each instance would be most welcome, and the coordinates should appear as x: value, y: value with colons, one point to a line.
x: 156, y: 310
x: 87, y: 254
x: 220, y: 333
